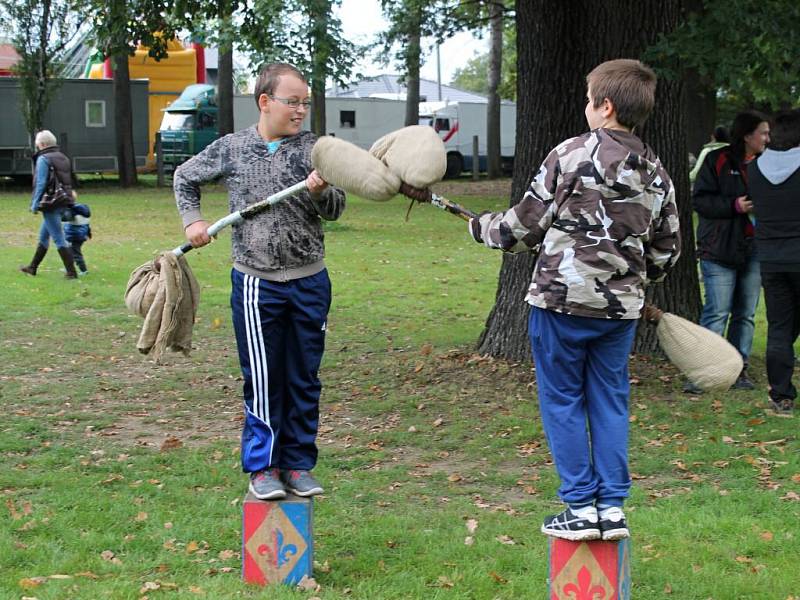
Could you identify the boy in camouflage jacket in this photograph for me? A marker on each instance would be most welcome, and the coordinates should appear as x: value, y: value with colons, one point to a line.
x: 280, y: 292
x: 601, y: 215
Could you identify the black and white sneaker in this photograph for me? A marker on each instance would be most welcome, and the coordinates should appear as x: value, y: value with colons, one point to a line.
x: 612, y: 524
x: 568, y: 526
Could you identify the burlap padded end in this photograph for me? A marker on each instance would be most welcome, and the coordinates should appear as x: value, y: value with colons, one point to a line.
x: 415, y: 154
x: 707, y: 359
x: 351, y: 168
x: 165, y: 292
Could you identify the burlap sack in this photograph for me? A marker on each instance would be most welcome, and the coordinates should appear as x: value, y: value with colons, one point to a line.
x: 415, y: 154
x: 166, y: 293
x: 353, y: 169
x: 707, y: 359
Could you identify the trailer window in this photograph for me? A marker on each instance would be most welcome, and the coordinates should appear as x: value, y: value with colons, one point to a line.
x: 442, y: 125
x: 95, y: 113
x: 347, y: 118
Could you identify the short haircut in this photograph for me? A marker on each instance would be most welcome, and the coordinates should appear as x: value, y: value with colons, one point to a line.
x: 45, y: 139
x: 744, y: 123
x: 629, y: 85
x: 270, y: 75
x: 785, y: 132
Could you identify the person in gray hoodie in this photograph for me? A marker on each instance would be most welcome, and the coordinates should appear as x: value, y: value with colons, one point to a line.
x: 775, y: 192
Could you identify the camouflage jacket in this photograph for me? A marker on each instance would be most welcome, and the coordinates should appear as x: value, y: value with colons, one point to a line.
x: 286, y: 240
x: 601, y: 214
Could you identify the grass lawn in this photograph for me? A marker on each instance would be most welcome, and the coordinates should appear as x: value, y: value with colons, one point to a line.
x: 121, y: 478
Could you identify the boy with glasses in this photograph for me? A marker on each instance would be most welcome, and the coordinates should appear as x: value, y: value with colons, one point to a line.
x: 281, y: 292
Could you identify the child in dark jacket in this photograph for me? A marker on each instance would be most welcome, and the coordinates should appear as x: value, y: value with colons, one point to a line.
x: 601, y: 215
x: 77, y: 230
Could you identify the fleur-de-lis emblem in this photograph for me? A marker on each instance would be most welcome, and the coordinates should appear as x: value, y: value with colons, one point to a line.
x: 584, y: 590
x: 284, y: 552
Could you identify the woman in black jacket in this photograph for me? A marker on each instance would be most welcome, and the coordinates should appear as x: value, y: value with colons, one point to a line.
x: 725, y: 231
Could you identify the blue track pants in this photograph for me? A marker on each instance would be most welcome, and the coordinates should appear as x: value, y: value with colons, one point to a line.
x: 582, y: 377
x: 280, y: 334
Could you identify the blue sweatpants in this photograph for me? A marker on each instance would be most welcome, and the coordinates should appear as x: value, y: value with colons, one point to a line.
x: 582, y: 377
x: 280, y: 334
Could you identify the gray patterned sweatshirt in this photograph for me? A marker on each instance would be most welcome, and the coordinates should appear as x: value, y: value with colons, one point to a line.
x: 601, y: 214
x: 284, y: 242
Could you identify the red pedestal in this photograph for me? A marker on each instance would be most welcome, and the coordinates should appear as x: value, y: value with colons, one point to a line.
x: 277, y: 543
x: 589, y: 570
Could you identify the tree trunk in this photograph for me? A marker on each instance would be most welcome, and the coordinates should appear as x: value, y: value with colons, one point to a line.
x: 495, y: 75
x: 699, y: 109
x: 550, y: 99
x: 318, y: 105
x: 225, y: 123
x: 413, y: 52
x: 123, y: 122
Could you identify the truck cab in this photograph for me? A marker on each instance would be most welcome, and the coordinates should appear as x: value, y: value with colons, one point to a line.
x: 189, y: 124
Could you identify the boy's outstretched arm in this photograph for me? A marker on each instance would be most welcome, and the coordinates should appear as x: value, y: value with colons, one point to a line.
x: 664, y: 248
x: 522, y: 227
x: 203, y: 168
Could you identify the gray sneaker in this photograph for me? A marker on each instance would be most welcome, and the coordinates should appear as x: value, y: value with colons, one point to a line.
x: 267, y: 485
x: 301, y: 483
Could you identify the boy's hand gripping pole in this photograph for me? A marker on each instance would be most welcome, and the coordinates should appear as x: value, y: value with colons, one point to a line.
x: 244, y: 214
x: 426, y: 195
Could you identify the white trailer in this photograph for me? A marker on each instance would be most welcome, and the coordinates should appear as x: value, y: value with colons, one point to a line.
x: 362, y: 121
x: 458, y: 122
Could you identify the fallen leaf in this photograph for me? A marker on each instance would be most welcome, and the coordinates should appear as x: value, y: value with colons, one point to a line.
x: 226, y: 554
x: 31, y: 582
x: 793, y: 496
x: 171, y: 443
x: 767, y: 536
x: 454, y: 477
x: 192, y: 547
x: 426, y: 349
x: 744, y: 559
x: 59, y: 576
x: 149, y: 586
x: 796, y: 477
x: 497, y: 577
x: 755, y: 421
x: 504, y: 539
x: 438, y: 422
x: 197, y: 590
x: 107, y: 555
x: 472, y: 525
x: 142, y: 516
x: 668, y: 589
x: 87, y: 574
x: 444, y: 582
x: 308, y: 584
x: 469, y: 540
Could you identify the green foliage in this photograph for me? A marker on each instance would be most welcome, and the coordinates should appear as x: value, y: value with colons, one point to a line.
x: 304, y: 33
x: 39, y: 32
x: 118, y: 26
x: 474, y: 75
x: 748, y: 48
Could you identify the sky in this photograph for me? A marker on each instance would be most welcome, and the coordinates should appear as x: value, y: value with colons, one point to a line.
x: 363, y: 19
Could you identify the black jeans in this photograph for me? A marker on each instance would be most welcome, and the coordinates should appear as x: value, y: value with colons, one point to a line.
x: 782, y: 297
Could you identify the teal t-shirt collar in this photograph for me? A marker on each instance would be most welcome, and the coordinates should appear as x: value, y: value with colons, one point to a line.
x: 272, y: 147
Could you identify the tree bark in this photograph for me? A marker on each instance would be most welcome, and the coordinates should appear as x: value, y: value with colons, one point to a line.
x: 123, y: 122
x: 225, y: 122
x: 494, y: 76
x: 413, y: 52
x: 551, y: 92
x: 700, y: 111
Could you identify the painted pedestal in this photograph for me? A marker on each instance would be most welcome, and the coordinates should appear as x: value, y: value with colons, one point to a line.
x: 277, y: 543
x: 589, y: 570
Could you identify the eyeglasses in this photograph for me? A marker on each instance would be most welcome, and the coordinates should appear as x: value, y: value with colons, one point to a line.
x: 293, y: 103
